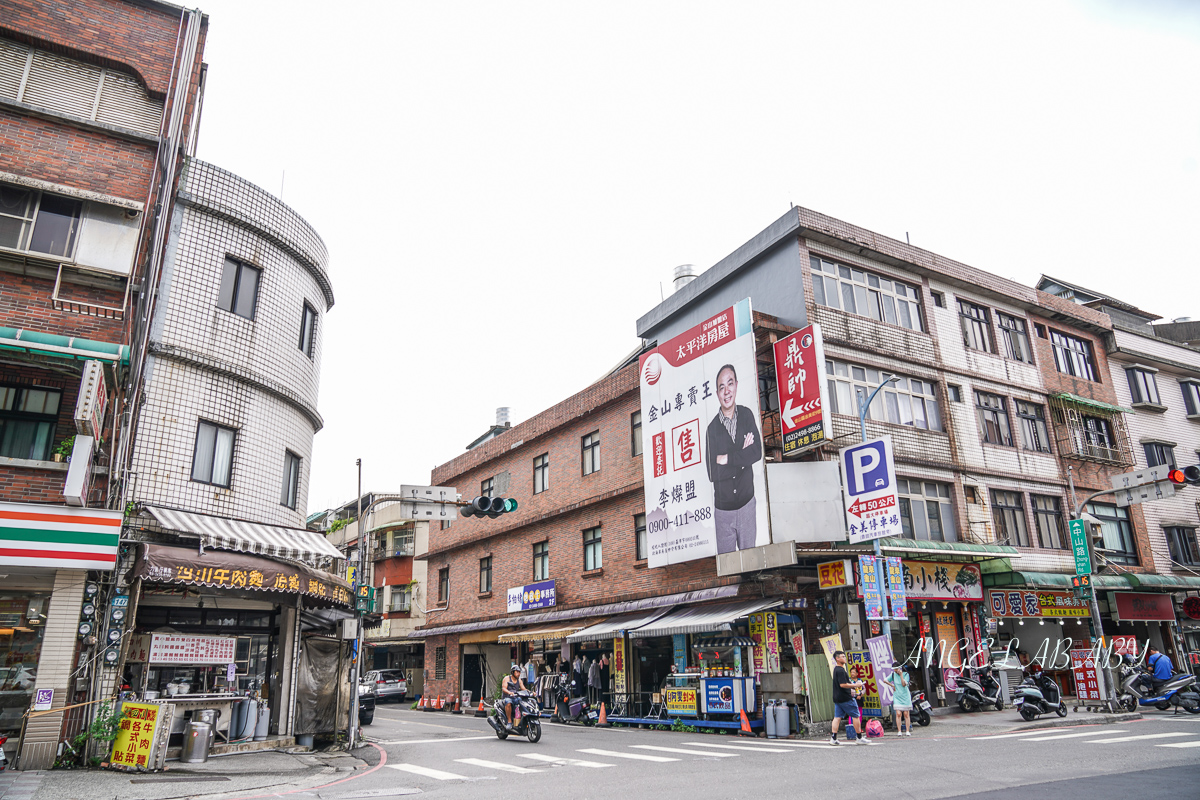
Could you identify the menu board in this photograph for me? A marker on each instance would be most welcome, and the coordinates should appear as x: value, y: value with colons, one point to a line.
x: 172, y: 648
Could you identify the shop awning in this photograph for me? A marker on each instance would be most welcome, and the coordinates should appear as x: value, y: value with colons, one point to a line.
x: 545, y: 633
x: 1053, y: 580
x: 626, y: 607
x: 699, y: 619
x: 249, y: 537
x: 1179, y: 583
x: 960, y: 551
x: 609, y: 627
x: 1087, y: 403
x: 70, y: 347
x: 723, y: 641
x: 217, y: 569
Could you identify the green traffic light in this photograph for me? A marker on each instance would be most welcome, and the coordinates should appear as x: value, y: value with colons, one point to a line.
x: 510, y: 504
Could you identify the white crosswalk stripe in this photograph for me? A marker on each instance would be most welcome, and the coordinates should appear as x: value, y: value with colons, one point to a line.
x: 436, y: 774
x: 751, y: 748
x: 479, y: 762
x: 1014, y: 735
x: 1071, y: 735
x: 1138, y: 738
x: 786, y: 744
x: 564, y: 762
x: 685, y: 752
x: 1180, y: 744
x: 593, y: 751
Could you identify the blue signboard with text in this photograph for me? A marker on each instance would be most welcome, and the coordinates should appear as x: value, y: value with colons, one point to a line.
x: 531, y: 596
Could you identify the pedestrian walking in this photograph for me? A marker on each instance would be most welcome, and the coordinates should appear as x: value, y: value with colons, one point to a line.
x: 901, y: 699
x: 845, y: 702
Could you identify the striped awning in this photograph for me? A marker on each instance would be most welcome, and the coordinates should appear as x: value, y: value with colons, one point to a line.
x: 723, y: 641
x: 58, y: 537
x: 699, y: 619
x: 546, y: 633
x: 249, y: 537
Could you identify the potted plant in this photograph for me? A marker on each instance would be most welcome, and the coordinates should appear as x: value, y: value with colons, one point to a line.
x: 64, y: 448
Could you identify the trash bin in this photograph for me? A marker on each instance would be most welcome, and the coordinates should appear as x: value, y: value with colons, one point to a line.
x: 208, y: 716
x: 196, y: 741
x: 249, y: 720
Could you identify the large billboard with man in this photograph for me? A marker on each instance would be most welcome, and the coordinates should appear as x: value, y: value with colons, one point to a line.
x: 702, y: 452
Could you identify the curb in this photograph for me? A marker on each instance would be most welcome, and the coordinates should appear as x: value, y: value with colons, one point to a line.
x: 1077, y: 721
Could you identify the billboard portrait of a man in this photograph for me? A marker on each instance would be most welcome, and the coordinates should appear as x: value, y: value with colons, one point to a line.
x: 734, y: 446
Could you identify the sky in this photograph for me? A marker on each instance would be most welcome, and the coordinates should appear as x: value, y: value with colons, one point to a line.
x: 505, y: 187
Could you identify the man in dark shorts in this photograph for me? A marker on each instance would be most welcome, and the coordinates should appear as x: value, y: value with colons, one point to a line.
x: 844, y: 704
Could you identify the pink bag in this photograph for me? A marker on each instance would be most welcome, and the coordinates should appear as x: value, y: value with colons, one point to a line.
x: 874, y: 729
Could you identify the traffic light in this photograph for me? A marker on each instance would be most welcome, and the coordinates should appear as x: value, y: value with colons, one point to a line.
x: 1187, y: 475
x: 490, y: 507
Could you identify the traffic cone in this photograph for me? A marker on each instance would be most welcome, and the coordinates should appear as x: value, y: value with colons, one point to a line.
x: 481, y: 711
x: 603, y: 723
x: 457, y: 706
x: 421, y: 706
x: 745, y: 731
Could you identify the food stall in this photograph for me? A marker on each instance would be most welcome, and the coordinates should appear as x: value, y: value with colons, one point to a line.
x: 724, y: 686
x: 190, y: 673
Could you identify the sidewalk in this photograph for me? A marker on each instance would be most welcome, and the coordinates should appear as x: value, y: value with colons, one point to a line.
x: 229, y: 776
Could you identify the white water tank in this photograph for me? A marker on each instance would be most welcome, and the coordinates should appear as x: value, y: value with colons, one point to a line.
x: 684, y: 274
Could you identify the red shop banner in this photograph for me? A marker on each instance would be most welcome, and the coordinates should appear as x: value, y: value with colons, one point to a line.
x: 1140, y: 607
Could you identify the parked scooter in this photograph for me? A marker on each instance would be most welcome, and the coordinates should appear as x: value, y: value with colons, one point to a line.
x: 978, y: 689
x: 921, y: 708
x: 3, y: 758
x: 1180, y: 691
x: 569, y: 707
x: 1038, y: 694
x: 526, y: 718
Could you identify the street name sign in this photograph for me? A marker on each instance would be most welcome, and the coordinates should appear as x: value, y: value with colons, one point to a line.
x: 1079, y: 546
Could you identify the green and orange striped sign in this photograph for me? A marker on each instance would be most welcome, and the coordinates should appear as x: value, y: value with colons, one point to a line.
x: 59, y: 537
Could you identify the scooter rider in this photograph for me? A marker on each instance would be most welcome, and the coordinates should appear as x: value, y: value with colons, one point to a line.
x: 1160, y: 667
x: 513, y: 683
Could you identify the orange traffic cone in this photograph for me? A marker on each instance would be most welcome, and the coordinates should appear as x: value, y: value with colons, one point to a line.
x: 482, y: 710
x: 424, y: 704
x: 745, y: 731
x: 457, y: 706
x: 603, y: 723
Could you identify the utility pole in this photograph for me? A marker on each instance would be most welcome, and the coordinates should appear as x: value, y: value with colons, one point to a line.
x: 360, y: 576
x: 862, y: 427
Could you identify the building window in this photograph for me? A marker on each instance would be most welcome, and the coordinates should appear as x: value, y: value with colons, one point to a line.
x: 1014, y: 337
x: 541, y: 473
x: 976, y: 326
x: 439, y: 663
x: 541, y: 561
x: 212, y: 460
x: 1047, y: 511
x: 485, y: 575
x: 955, y: 393
x: 291, y: 479
x: 1159, y: 454
x: 239, y: 288
x: 487, y: 486
x: 1073, y: 356
x: 401, y: 599
x: 925, y: 511
x: 993, y: 419
x: 1009, y: 516
x: 443, y: 586
x: 591, y: 453
x: 635, y: 433
x: 1143, y: 388
x: 1116, y: 531
x: 640, y: 550
x: 909, y: 401
x: 39, y: 222
x: 1032, y: 419
x: 1094, y: 438
x: 593, y: 556
x: 1181, y: 542
x: 1191, y: 397
x: 308, y: 330
x: 768, y: 388
x: 1040, y: 330
x: 865, y: 293
x: 28, y: 421
x: 939, y: 299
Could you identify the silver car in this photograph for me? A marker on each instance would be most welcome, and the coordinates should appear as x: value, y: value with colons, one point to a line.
x: 390, y: 684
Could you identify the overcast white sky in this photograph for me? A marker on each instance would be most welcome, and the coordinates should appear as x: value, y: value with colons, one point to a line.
x: 504, y: 186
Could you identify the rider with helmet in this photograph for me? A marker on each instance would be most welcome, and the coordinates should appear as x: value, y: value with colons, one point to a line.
x: 513, y: 683
x: 1160, y: 667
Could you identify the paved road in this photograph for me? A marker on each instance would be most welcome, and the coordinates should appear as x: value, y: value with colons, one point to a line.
x: 460, y: 757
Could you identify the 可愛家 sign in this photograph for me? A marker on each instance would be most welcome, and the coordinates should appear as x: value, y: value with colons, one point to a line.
x: 1035, y: 603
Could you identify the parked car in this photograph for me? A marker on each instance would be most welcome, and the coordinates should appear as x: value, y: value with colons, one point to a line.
x: 390, y: 684
x: 366, y: 702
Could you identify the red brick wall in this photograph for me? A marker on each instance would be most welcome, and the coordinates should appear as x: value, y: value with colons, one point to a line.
x: 450, y: 684
x: 25, y: 303
x: 134, y: 37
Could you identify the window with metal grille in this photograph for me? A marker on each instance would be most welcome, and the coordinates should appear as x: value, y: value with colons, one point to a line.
x: 1047, y: 511
x: 976, y: 326
x: 1014, y: 337
x: 1093, y: 437
x: 239, y: 288
x: 590, y: 448
x: 485, y: 575
x: 1143, y: 388
x: 1032, y: 419
x: 1073, y: 356
x: 909, y: 401
x: 1116, y: 532
x: 635, y: 433
x: 593, y: 557
x: 541, y: 473
x: 439, y: 663
x: 1181, y: 541
x: 541, y: 561
x: 993, y: 419
x: 212, y: 458
x: 865, y: 293
x: 639, y: 536
x: 1009, y: 515
x: 28, y: 421
x: 925, y: 511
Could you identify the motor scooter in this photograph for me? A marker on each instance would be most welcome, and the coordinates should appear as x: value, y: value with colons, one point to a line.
x: 570, y: 707
x: 921, y: 708
x: 978, y: 689
x: 526, y: 718
x: 3, y: 758
x: 1179, y: 690
x: 1038, y: 694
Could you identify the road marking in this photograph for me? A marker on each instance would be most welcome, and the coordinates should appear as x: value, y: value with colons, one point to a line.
x: 614, y: 754
x: 1138, y: 738
x: 1022, y: 733
x: 563, y: 762
x: 436, y: 774
x: 432, y: 741
x: 1071, y: 735
x: 751, y: 748
x: 1181, y: 744
x: 780, y: 743
x: 479, y: 762
x: 685, y: 752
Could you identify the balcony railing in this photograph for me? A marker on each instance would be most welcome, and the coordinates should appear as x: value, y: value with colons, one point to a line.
x: 400, y: 550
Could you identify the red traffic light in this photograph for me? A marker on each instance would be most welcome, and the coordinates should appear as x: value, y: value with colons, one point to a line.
x: 1176, y: 477
x: 1187, y: 475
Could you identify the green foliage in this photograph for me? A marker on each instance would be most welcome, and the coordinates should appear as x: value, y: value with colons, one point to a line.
x: 681, y: 726
x: 65, y: 446
x: 338, y: 524
x: 101, y: 733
